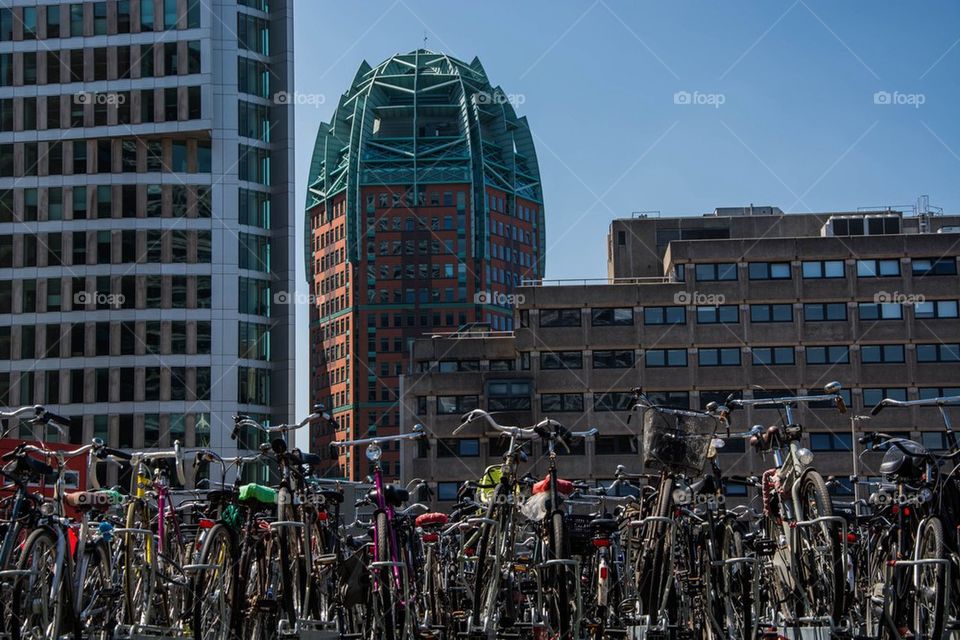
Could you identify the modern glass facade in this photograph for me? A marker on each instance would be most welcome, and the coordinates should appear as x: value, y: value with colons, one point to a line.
x: 145, y: 190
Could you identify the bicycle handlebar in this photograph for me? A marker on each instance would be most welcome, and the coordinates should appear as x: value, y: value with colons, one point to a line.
x: 242, y: 420
x: 943, y: 401
x: 413, y: 435
x: 137, y: 457
x: 522, y: 433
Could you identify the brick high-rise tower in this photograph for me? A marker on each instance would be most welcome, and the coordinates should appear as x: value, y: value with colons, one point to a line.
x: 424, y: 212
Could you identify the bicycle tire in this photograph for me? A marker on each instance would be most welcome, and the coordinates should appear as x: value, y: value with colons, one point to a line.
x: 96, y: 607
x: 483, y: 548
x: 883, y: 606
x: 218, y: 549
x: 737, y: 586
x: 18, y: 534
x: 39, y: 553
x: 258, y: 615
x: 823, y: 579
x: 385, y: 587
x: 929, y: 607
x: 137, y: 573
x: 559, y: 551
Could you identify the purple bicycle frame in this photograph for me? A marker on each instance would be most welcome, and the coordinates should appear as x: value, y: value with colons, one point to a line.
x: 162, y: 498
x: 383, y: 506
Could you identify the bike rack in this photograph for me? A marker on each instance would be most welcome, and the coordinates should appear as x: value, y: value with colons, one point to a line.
x: 479, y: 521
x: 575, y: 566
x: 308, y: 630
x: 944, y: 564
x: 147, y: 632
x: 402, y: 567
x: 843, y: 561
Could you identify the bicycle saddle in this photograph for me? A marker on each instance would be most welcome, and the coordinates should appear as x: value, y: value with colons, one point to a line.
x: 25, y: 464
x: 908, y: 464
x: 563, y: 486
x: 603, y: 525
x: 299, y: 457
x: 332, y: 495
x: 392, y: 495
x: 434, y: 520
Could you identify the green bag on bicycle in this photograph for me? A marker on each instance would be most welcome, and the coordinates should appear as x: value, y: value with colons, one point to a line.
x: 258, y: 492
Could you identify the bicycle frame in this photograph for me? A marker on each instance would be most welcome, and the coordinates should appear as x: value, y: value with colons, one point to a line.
x: 791, y: 463
x: 397, y: 565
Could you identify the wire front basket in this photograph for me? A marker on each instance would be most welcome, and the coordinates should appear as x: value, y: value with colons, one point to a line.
x: 676, y: 441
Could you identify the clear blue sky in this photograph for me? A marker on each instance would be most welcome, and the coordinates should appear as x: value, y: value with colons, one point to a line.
x: 798, y: 126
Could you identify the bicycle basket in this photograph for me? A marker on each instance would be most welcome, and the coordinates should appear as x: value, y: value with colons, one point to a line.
x: 676, y: 442
x: 578, y: 532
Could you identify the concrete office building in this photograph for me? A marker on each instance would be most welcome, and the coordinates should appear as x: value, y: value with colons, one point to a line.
x: 694, y: 309
x: 424, y: 211
x: 146, y: 185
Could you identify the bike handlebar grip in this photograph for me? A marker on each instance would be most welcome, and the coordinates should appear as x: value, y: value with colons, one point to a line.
x: 333, y: 450
x: 841, y: 405
x: 877, y: 408
x: 52, y: 417
x: 867, y: 438
x: 103, y: 452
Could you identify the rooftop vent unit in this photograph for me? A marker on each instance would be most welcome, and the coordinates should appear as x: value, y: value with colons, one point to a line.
x: 885, y: 224
x: 751, y: 210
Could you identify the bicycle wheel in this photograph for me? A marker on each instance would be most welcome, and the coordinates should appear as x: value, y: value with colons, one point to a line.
x: 561, y: 611
x: 819, y: 553
x: 96, y: 604
x: 883, y: 603
x: 257, y: 584
x: 930, y: 581
x: 321, y: 575
x: 214, y: 588
x: 14, y: 534
x: 139, y: 564
x: 737, y: 582
x: 384, y: 582
x: 482, y: 575
x: 35, y: 612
